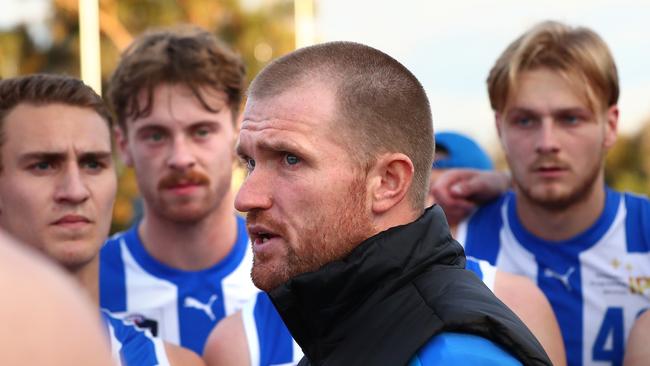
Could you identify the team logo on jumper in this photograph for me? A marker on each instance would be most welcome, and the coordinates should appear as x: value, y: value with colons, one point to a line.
x: 143, y: 322
x: 639, y: 285
x: 562, y: 277
x: 193, y: 303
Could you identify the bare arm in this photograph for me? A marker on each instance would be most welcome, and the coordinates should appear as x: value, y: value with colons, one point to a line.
x: 179, y: 356
x: 46, y: 318
x: 637, y: 352
x: 227, y: 345
x: 526, y: 300
x: 459, y: 191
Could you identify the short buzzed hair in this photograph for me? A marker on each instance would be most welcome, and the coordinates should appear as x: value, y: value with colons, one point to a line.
x: 578, y: 54
x: 380, y: 103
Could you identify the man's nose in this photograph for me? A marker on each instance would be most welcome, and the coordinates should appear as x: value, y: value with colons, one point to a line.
x: 72, y: 187
x: 255, y: 192
x: 546, y: 141
x: 181, y: 156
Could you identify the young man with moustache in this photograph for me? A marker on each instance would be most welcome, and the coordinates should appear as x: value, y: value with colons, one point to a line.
x: 338, y: 143
x: 176, y: 94
x: 554, y: 92
x: 57, y: 188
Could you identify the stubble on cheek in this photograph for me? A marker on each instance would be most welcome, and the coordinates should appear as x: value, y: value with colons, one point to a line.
x: 325, y: 236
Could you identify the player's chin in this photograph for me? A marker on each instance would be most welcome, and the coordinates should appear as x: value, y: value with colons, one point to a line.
x: 267, y: 275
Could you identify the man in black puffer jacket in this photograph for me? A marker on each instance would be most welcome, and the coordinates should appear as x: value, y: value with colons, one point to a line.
x: 338, y: 142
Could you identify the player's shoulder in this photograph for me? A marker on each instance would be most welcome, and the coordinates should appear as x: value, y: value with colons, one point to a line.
x: 114, y: 240
x: 462, y: 349
x: 489, y: 214
x: 479, y: 234
x: 637, y: 205
x: 637, y: 222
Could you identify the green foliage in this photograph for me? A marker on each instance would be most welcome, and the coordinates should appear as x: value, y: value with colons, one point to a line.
x: 627, y: 164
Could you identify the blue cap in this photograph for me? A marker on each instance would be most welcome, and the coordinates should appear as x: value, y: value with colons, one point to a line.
x: 462, y: 152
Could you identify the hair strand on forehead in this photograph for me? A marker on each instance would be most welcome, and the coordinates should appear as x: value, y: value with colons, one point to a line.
x: 183, y: 55
x: 578, y: 54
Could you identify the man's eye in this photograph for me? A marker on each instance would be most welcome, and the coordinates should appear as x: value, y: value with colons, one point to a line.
x: 250, y: 164
x: 201, y: 132
x: 570, y: 119
x: 155, y: 136
x: 524, y: 121
x: 93, y: 165
x: 292, y: 159
x: 42, y: 165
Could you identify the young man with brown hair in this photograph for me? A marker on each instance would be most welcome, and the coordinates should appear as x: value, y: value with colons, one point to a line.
x: 554, y: 92
x: 57, y: 188
x: 337, y: 139
x: 176, y: 95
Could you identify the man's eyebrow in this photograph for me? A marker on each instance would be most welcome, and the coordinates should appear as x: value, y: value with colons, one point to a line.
x: 240, y: 150
x: 59, y: 156
x: 522, y: 110
x: 42, y: 155
x: 572, y: 110
x: 275, y: 145
x: 96, y: 155
x: 281, y: 145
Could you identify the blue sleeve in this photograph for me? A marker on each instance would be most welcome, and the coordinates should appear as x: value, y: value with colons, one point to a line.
x: 483, y: 228
x: 275, y: 342
x: 473, y: 265
x: 637, y: 223
x: 462, y: 349
x: 112, y: 284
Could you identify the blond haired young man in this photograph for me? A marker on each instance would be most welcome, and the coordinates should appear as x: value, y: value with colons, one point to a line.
x: 554, y: 92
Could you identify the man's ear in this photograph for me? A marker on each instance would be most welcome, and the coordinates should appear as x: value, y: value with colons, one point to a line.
x: 498, y: 121
x: 389, y: 181
x: 121, y: 140
x: 611, y: 126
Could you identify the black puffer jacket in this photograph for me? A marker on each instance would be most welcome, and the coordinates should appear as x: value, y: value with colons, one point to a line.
x: 392, y: 294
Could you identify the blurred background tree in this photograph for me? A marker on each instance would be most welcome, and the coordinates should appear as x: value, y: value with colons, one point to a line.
x: 259, y: 34
x: 628, y: 162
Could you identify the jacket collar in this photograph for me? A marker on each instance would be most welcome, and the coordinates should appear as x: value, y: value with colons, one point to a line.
x: 314, y: 304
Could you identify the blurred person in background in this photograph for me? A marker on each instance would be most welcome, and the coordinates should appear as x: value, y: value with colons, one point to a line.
x: 176, y: 94
x: 57, y: 188
x: 554, y: 92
